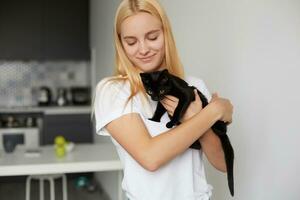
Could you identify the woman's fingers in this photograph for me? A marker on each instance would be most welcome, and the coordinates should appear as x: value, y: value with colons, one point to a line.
x: 196, y: 94
x: 197, y: 101
x: 225, y: 106
x: 214, y: 96
x: 170, y: 103
x: 171, y: 98
x: 170, y: 108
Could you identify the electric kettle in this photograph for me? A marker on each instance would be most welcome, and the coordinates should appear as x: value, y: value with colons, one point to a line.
x: 44, y: 96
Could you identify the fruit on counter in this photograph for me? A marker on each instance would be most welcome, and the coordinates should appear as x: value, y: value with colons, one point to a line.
x: 60, y: 146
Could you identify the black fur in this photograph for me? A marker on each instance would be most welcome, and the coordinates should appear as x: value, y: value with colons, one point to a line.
x: 160, y: 83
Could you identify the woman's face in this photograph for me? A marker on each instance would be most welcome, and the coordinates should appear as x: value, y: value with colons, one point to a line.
x: 143, y: 41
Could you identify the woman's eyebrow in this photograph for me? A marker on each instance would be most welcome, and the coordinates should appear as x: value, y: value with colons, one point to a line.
x: 128, y: 37
x: 132, y: 37
x: 153, y: 31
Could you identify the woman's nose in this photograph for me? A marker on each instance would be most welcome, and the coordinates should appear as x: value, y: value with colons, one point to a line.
x: 143, y: 48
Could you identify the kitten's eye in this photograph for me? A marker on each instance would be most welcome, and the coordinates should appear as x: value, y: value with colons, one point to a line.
x: 161, y: 91
x: 164, y: 80
x: 150, y: 92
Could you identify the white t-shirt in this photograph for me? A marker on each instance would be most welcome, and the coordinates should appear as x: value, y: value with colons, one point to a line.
x: 183, y: 178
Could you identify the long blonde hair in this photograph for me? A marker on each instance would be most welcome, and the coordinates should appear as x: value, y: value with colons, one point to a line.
x: 124, y: 69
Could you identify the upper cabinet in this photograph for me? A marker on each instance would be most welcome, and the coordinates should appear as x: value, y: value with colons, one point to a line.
x: 44, y: 30
x: 66, y: 29
x: 20, y: 29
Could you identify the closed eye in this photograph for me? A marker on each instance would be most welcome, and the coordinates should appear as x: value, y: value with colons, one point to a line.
x: 153, y: 35
x: 131, y: 44
x: 130, y: 40
x: 152, y: 38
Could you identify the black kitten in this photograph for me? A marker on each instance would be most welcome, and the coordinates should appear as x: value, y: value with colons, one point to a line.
x: 160, y: 83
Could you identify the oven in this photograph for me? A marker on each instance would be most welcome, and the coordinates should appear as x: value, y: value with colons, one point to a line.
x: 19, y: 130
x: 11, y: 137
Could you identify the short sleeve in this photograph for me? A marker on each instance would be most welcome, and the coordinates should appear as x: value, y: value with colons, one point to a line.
x: 109, y: 103
x: 200, y: 85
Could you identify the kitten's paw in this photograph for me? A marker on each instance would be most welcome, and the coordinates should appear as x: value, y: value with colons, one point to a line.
x: 155, y: 120
x: 170, y: 125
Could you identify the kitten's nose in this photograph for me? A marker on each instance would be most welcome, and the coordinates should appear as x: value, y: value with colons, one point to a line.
x: 155, y: 98
x: 161, y: 97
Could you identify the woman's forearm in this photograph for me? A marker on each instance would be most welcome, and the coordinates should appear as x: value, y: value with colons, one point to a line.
x: 166, y: 146
x: 212, y: 148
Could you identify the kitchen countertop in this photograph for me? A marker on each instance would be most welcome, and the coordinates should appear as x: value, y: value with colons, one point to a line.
x: 50, y: 110
x: 83, y: 158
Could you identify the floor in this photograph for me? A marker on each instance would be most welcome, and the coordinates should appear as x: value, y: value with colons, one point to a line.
x: 13, y: 188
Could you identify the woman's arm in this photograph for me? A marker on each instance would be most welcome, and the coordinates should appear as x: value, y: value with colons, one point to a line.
x: 212, y: 148
x: 153, y: 152
x: 210, y: 142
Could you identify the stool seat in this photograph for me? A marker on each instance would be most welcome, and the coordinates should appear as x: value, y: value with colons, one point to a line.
x: 51, y: 178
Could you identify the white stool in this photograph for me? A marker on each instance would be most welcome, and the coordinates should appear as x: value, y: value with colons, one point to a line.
x: 51, y: 178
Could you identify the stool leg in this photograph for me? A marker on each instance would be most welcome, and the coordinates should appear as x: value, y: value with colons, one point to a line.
x: 52, y: 190
x: 28, y: 181
x: 41, y: 189
x: 64, y: 185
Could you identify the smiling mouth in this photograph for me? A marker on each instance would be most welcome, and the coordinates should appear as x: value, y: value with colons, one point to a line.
x: 147, y: 58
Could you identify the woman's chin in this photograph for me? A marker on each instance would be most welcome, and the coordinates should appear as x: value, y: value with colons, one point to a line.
x: 149, y: 67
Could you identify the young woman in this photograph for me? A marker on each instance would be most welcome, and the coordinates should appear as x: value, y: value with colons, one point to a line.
x: 157, y: 162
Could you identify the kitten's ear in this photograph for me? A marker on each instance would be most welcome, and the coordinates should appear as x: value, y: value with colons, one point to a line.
x: 142, y: 75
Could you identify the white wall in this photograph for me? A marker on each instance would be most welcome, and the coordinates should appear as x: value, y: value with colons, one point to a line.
x: 102, y: 20
x: 101, y: 39
x: 101, y: 23
x: 249, y: 52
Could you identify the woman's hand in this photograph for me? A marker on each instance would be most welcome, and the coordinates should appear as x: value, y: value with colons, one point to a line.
x: 170, y: 103
x: 224, y: 107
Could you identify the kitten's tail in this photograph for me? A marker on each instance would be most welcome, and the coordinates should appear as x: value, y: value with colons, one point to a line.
x: 229, y: 158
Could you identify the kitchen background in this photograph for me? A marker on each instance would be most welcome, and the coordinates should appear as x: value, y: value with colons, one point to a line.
x: 46, y: 77
x: 20, y: 81
x: 247, y: 51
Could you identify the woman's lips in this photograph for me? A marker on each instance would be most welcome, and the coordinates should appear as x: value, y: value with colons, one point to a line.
x: 147, y: 59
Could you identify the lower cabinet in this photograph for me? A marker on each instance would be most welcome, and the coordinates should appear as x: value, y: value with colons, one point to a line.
x: 77, y: 128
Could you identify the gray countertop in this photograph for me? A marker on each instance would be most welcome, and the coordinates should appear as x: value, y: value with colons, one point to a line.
x: 50, y: 110
x: 84, y: 158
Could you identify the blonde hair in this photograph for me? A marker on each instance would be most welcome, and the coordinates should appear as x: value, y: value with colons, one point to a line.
x: 124, y: 68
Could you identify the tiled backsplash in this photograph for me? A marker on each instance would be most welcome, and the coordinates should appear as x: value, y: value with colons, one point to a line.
x: 19, y: 81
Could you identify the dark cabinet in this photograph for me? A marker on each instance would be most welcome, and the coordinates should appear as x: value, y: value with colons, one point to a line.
x: 76, y: 128
x: 20, y: 29
x: 65, y: 28
x: 44, y: 30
